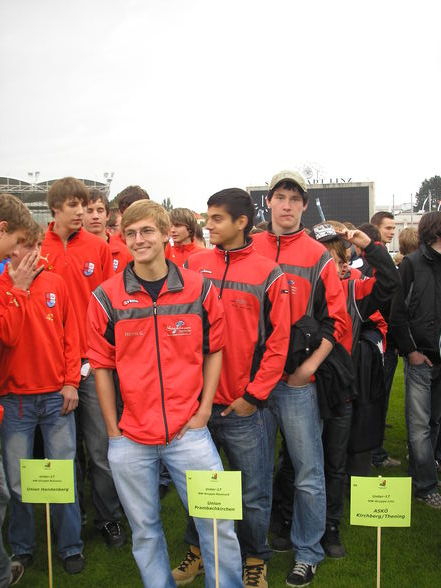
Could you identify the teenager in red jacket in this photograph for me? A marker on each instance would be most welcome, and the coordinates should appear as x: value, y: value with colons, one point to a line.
x: 96, y: 215
x: 41, y: 392
x: 315, y: 290
x: 182, y: 231
x: 161, y: 328
x: 254, y: 293
x: 84, y: 261
x: 15, y: 220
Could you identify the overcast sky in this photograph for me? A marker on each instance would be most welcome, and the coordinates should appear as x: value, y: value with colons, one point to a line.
x: 186, y: 97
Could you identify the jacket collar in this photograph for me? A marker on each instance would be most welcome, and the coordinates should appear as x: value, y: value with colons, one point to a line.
x: 54, y: 235
x: 174, y: 281
x: 286, y: 238
x: 235, y: 254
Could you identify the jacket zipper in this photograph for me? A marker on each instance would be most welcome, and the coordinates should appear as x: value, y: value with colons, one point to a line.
x: 227, y: 263
x: 161, y: 382
x: 278, y: 248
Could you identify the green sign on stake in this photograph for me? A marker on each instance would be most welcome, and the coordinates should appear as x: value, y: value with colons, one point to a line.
x: 47, y: 480
x: 380, y: 502
x: 214, y: 494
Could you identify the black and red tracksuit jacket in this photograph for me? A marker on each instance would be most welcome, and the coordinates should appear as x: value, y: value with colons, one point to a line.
x: 313, y: 283
x: 255, y: 297
x: 157, y: 347
x: 366, y: 295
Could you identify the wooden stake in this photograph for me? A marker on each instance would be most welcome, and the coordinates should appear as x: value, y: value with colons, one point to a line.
x: 49, y: 542
x: 216, y: 553
x: 378, y: 556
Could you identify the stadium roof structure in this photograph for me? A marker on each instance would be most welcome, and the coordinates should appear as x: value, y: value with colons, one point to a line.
x: 36, y: 192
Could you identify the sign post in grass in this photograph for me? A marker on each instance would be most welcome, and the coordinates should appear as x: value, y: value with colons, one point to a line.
x: 47, y: 481
x: 380, y: 502
x: 214, y: 495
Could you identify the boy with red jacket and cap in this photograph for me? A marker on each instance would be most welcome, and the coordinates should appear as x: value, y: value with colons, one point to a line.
x: 254, y: 293
x: 161, y: 328
x: 40, y: 392
x: 316, y: 292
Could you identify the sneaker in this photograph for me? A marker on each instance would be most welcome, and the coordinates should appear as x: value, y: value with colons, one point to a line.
x: 113, y: 534
x: 433, y: 499
x: 282, y: 541
x: 190, y: 567
x: 332, y: 544
x: 26, y: 559
x: 254, y: 573
x: 17, y: 571
x: 388, y: 462
x: 302, y: 574
x: 74, y: 564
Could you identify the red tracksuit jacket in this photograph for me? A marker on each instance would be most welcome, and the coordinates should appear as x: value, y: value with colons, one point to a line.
x: 179, y: 254
x: 255, y: 297
x: 157, y: 348
x: 84, y: 264
x: 313, y: 282
x: 45, y: 356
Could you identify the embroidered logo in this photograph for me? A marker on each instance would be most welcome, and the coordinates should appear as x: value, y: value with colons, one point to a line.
x: 292, y: 287
x: 88, y: 268
x: 51, y: 299
x: 134, y: 333
x: 130, y: 301
x: 242, y: 304
x: 49, y: 316
x: 205, y: 271
x: 178, y: 329
x: 115, y: 265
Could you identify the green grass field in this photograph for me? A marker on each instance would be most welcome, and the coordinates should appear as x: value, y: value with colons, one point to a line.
x: 410, y: 556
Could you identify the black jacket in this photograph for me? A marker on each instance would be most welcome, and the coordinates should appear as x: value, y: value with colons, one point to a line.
x: 415, y: 318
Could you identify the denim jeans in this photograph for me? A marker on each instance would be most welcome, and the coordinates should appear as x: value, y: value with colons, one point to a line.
x: 423, y: 412
x: 93, y: 429
x: 23, y: 413
x: 135, y: 469
x: 246, y: 445
x: 5, y: 564
x: 296, y: 412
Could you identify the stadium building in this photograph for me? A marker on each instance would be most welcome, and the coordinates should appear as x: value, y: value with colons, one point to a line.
x: 34, y: 193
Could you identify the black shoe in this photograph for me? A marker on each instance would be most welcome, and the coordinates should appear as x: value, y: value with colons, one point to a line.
x: 113, y: 534
x: 17, y: 571
x: 74, y: 564
x: 26, y: 559
x: 332, y: 544
x: 302, y: 574
x: 282, y: 541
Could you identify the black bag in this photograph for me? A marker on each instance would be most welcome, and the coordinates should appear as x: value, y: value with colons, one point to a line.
x: 305, y: 338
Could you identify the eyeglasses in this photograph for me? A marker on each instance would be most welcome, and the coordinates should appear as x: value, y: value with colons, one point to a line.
x: 144, y: 232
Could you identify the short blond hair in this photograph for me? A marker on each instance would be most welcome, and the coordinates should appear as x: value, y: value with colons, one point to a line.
x: 15, y: 213
x: 146, y: 209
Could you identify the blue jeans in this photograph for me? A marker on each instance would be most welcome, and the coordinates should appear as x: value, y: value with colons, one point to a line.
x: 246, y: 445
x: 423, y: 413
x: 135, y: 468
x: 23, y: 413
x: 5, y: 564
x: 93, y: 429
x: 296, y: 411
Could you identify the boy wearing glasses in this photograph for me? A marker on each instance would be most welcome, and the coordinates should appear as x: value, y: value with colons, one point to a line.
x: 161, y: 328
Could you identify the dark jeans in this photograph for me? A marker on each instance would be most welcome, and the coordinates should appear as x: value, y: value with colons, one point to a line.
x: 336, y: 431
x: 245, y: 443
x: 423, y: 413
x: 390, y: 365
